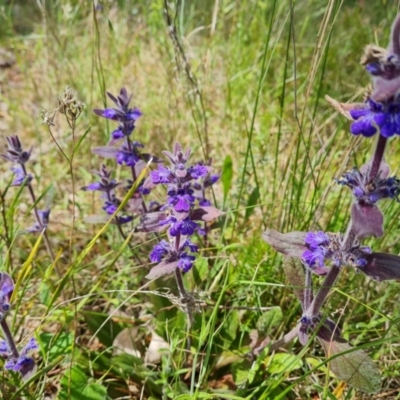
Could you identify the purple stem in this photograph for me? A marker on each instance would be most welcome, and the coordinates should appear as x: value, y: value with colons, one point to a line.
x: 9, y: 338
x: 178, y: 272
x: 349, y: 237
x: 348, y: 241
x: 39, y: 221
x: 134, y: 177
x: 279, y: 343
x: 378, y: 157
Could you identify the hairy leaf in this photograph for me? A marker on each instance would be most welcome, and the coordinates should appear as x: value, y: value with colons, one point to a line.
x: 150, y: 222
x: 105, y: 151
x: 382, y: 266
x: 296, y: 276
x: 291, y: 244
x: 354, y: 367
x: 367, y: 220
x: 206, y: 214
x: 164, y: 268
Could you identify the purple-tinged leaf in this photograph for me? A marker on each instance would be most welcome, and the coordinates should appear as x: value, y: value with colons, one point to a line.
x: 177, y: 148
x: 150, y: 222
x: 149, y: 184
x: 367, y: 220
x: 134, y: 205
x: 206, y: 214
x: 394, y: 45
x: 164, y: 268
x: 382, y: 267
x: 291, y: 244
x: 384, y: 169
x: 303, y: 335
x: 28, y: 370
x: 295, y: 274
x: 106, y: 151
x: 353, y: 367
x: 112, y: 97
x: 385, y: 89
x: 170, y: 156
x: 332, y: 326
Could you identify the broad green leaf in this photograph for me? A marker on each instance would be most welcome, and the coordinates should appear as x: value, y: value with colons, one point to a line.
x: 95, y: 391
x: 227, y: 175
x: 102, y: 326
x: 75, y: 386
x: 241, y: 372
x: 354, y: 367
x: 56, y: 345
x: 282, y: 362
x: 270, y: 319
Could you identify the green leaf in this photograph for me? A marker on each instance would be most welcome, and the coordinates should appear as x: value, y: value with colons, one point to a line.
x: 56, y: 345
x: 95, y: 391
x: 102, y: 326
x: 269, y: 320
x: 251, y: 203
x: 282, y: 362
x: 227, y: 175
x: 76, y: 385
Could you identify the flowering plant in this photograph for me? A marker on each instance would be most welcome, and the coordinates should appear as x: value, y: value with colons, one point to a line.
x: 325, y: 253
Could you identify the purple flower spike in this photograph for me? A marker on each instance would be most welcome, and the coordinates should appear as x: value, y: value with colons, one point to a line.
x: 186, y: 262
x: 123, y: 114
x: 368, y: 192
x: 15, y: 153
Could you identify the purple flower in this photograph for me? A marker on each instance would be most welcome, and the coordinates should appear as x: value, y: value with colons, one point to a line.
x: 186, y: 261
x: 124, y: 220
x: 24, y: 363
x: 314, y: 258
x: 185, y: 227
x: 182, y: 202
x: 189, y: 244
x: 110, y: 207
x: 130, y: 158
x: 122, y: 113
x: 106, y: 184
x: 4, y: 350
x: 198, y: 171
x: 118, y: 133
x: 315, y: 239
x: 323, y: 247
x: 385, y: 116
x: 19, y: 176
x: 161, y: 175
x: 32, y: 345
x: 15, y: 153
x: 369, y: 192
x: 160, y: 250
x: 44, y: 217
